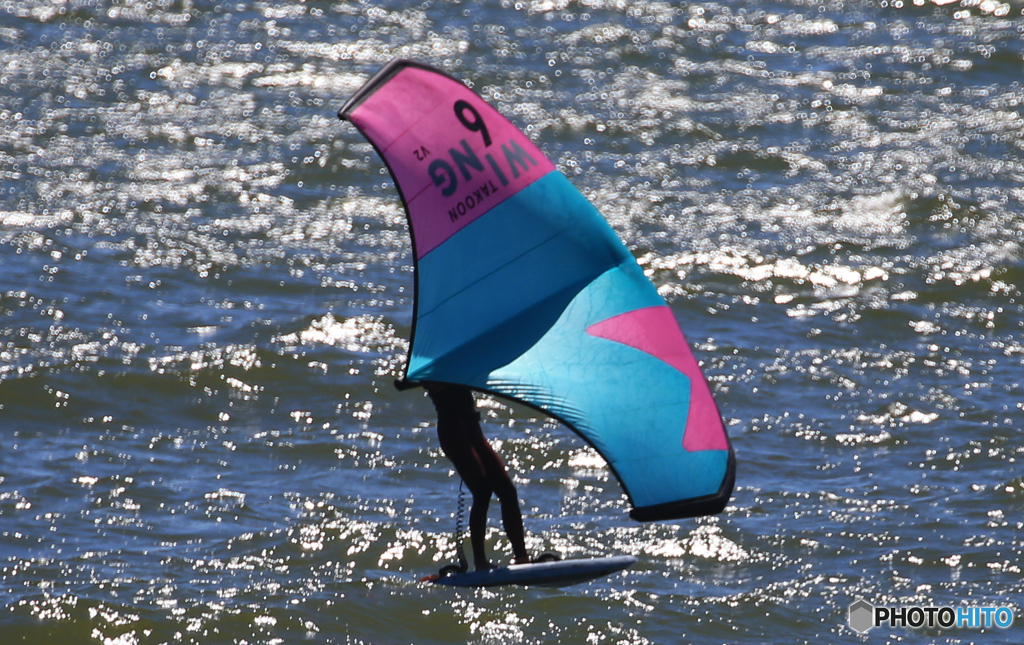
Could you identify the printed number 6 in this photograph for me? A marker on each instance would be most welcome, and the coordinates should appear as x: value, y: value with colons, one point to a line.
x: 476, y: 125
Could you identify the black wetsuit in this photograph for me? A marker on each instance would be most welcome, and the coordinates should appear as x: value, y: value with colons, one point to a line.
x: 463, y: 442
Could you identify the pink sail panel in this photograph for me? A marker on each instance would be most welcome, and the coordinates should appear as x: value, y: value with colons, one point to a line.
x: 453, y: 156
x: 654, y: 330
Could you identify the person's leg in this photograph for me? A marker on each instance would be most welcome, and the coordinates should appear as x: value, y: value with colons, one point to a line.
x: 500, y: 482
x: 458, y: 447
x: 463, y: 442
x: 478, y: 524
x: 512, y: 519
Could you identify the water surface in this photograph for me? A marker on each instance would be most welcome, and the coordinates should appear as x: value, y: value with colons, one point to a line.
x: 206, y: 287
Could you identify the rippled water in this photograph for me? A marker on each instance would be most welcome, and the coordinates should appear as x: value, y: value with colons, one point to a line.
x: 205, y: 287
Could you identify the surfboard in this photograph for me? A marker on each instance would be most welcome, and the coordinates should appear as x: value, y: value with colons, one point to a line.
x: 559, y: 573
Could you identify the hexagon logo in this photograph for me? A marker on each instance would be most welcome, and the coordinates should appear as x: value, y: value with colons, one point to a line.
x: 862, y: 616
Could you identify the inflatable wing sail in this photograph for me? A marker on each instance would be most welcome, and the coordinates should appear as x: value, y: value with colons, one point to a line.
x: 525, y: 291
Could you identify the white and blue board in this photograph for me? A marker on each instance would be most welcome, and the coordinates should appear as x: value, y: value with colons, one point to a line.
x: 559, y: 573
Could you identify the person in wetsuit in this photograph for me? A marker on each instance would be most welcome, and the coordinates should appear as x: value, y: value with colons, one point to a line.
x: 483, y: 471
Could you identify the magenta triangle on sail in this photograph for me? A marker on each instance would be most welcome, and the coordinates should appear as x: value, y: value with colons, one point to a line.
x: 523, y: 290
x: 654, y: 330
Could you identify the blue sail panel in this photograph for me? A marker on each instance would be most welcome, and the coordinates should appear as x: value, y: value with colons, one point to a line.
x: 553, y: 256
